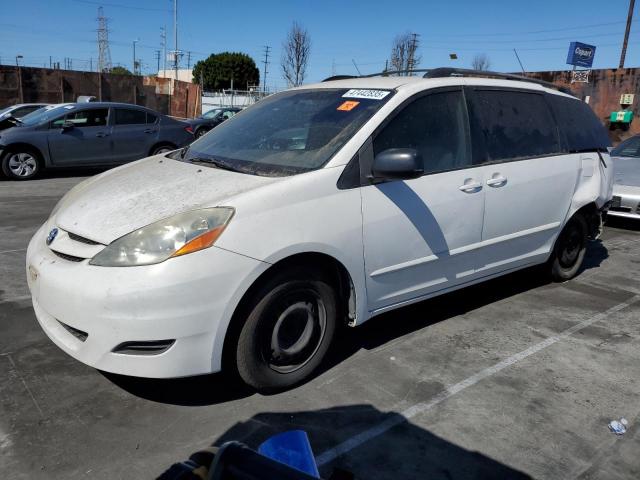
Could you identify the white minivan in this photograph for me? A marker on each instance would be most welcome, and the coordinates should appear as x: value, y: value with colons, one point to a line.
x: 318, y: 207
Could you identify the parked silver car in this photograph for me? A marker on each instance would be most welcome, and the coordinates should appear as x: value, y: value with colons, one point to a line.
x: 88, y: 134
x: 626, y: 186
x: 9, y: 115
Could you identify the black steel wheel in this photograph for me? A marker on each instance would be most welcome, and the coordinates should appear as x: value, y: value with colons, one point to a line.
x: 570, y: 248
x: 288, y: 331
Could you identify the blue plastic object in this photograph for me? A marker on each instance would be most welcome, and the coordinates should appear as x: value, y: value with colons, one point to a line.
x: 291, y: 448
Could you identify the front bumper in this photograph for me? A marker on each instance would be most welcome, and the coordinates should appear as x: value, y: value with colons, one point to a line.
x: 188, y: 299
x: 625, y: 202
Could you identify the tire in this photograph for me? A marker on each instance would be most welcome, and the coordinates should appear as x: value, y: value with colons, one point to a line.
x: 569, y: 250
x: 164, y: 148
x: 288, y: 331
x: 200, y: 132
x: 21, y: 164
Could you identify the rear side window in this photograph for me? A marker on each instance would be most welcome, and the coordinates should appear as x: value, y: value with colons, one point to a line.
x: 130, y: 116
x: 581, y: 128
x: 436, y: 126
x: 151, y: 118
x: 514, y: 124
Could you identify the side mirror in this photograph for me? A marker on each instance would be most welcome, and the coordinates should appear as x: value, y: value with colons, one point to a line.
x: 67, y: 125
x: 398, y: 164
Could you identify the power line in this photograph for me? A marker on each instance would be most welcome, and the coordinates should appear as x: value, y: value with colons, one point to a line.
x: 119, y: 5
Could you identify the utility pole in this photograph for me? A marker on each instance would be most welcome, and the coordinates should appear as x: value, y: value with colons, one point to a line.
x: 175, y: 37
x: 411, y: 61
x: 91, y: 64
x: 49, y: 61
x: 189, y: 60
x: 267, y: 48
x: 626, y: 33
x: 163, y: 44
x: 158, y: 59
x: 135, y: 64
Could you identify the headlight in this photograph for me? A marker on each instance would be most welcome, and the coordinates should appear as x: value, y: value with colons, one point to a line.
x: 174, y: 236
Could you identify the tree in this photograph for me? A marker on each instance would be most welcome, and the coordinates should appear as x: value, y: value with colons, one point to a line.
x: 403, y: 52
x: 295, y: 55
x: 481, y: 62
x: 120, y: 71
x: 218, y: 70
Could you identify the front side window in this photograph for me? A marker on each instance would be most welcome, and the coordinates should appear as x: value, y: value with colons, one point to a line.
x: 514, y: 124
x: 288, y: 133
x: 436, y: 126
x: 130, y: 116
x: 94, y: 117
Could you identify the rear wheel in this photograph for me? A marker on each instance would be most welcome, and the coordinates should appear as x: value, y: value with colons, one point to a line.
x: 288, y: 332
x: 160, y: 149
x: 570, y: 249
x: 22, y: 164
x: 200, y: 132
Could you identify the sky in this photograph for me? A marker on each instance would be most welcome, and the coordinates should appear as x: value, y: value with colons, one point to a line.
x: 342, y: 32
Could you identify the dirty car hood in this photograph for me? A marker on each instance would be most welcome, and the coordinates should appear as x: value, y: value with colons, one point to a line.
x: 119, y: 201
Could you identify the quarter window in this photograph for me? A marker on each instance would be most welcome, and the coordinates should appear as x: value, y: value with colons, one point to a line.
x: 436, y: 126
x: 514, y: 124
x: 151, y: 118
x: 129, y: 116
x: 582, y: 129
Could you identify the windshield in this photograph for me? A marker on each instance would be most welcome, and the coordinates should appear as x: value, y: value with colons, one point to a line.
x: 288, y: 133
x: 628, y: 148
x: 45, y: 114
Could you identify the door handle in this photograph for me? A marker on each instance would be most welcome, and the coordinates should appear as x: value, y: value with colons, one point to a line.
x: 149, y: 131
x: 470, y: 186
x: 102, y: 134
x: 498, y: 181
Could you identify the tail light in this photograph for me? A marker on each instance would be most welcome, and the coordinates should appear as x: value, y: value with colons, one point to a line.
x: 189, y: 129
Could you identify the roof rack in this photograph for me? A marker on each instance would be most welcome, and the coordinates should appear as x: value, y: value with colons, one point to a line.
x: 465, y: 72
x: 455, y: 72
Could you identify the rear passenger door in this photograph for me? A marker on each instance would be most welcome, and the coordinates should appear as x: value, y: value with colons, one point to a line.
x: 421, y: 235
x: 529, y: 181
x: 134, y: 133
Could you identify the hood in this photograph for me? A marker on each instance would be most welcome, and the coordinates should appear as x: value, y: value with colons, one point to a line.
x: 119, y: 201
x: 626, y: 171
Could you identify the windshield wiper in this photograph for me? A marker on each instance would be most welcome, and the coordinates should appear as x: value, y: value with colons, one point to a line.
x: 213, y: 161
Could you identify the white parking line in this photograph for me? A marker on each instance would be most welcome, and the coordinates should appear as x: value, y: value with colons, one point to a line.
x: 377, y: 430
x: 13, y: 251
x: 15, y: 299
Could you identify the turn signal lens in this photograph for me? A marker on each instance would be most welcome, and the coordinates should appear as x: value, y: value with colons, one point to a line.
x: 199, y: 243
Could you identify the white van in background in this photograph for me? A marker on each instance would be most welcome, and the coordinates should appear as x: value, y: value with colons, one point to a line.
x: 319, y: 206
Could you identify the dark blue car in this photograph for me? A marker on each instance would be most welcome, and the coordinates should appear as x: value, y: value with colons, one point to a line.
x: 88, y: 134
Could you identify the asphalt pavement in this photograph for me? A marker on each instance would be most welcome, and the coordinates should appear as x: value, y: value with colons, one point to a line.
x: 514, y: 378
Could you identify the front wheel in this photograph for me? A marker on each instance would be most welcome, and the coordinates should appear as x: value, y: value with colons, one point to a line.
x: 288, y: 331
x: 568, y: 253
x: 20, y: 164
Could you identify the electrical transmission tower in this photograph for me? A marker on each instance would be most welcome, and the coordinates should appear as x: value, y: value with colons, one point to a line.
x: 104, y: 53
x: 267, y: 48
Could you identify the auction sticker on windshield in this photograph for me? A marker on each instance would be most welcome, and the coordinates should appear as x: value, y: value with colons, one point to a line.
x: 370, y: 94
x: 348, y: 106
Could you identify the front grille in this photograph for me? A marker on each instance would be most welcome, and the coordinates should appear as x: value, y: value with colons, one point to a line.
x: 79, y: 334
x: 153, y: 347
x: 70, y: 258
x: 80, y: 239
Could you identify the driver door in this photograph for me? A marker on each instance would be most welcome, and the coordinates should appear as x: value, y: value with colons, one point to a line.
x: 87, y: 142
x: 422, y: 235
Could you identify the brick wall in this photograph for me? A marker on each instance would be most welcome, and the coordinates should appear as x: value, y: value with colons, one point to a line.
x: 25, y: 85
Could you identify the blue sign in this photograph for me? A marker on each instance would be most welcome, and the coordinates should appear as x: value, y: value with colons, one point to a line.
x: 581, y: 54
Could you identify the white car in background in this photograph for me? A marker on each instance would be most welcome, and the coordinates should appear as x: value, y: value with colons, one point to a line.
x: 626, y: 185
x: 318, y: 207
